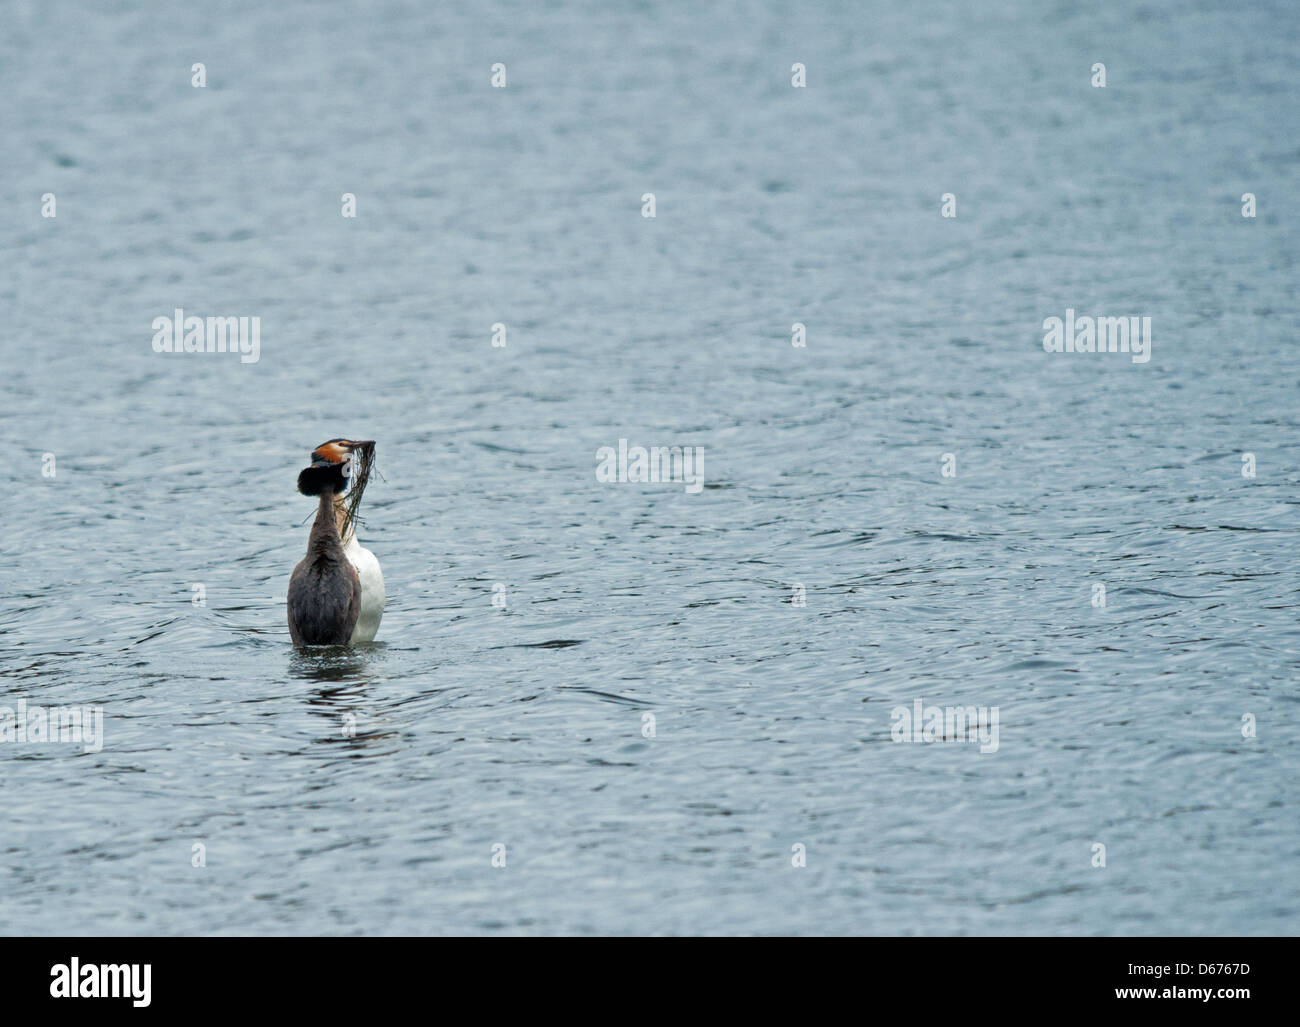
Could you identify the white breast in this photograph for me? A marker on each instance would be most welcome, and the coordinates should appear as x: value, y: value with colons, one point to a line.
x: 372, y: 591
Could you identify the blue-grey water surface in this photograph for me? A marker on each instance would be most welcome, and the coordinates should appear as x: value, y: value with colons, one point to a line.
x: 525, y: 726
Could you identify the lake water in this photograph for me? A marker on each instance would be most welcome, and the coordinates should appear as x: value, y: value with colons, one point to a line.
x: 649, y: 732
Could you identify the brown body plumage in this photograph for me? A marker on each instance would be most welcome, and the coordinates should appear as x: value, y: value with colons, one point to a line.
x: 324, y: 591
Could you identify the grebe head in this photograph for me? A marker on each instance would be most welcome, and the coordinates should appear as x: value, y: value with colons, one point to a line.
x: 331, y: 467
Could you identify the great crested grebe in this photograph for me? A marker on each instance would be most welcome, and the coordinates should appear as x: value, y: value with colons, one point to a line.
x: 336, y: 593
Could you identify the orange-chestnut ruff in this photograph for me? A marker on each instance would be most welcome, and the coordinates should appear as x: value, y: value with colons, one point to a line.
x: 334, y: 463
